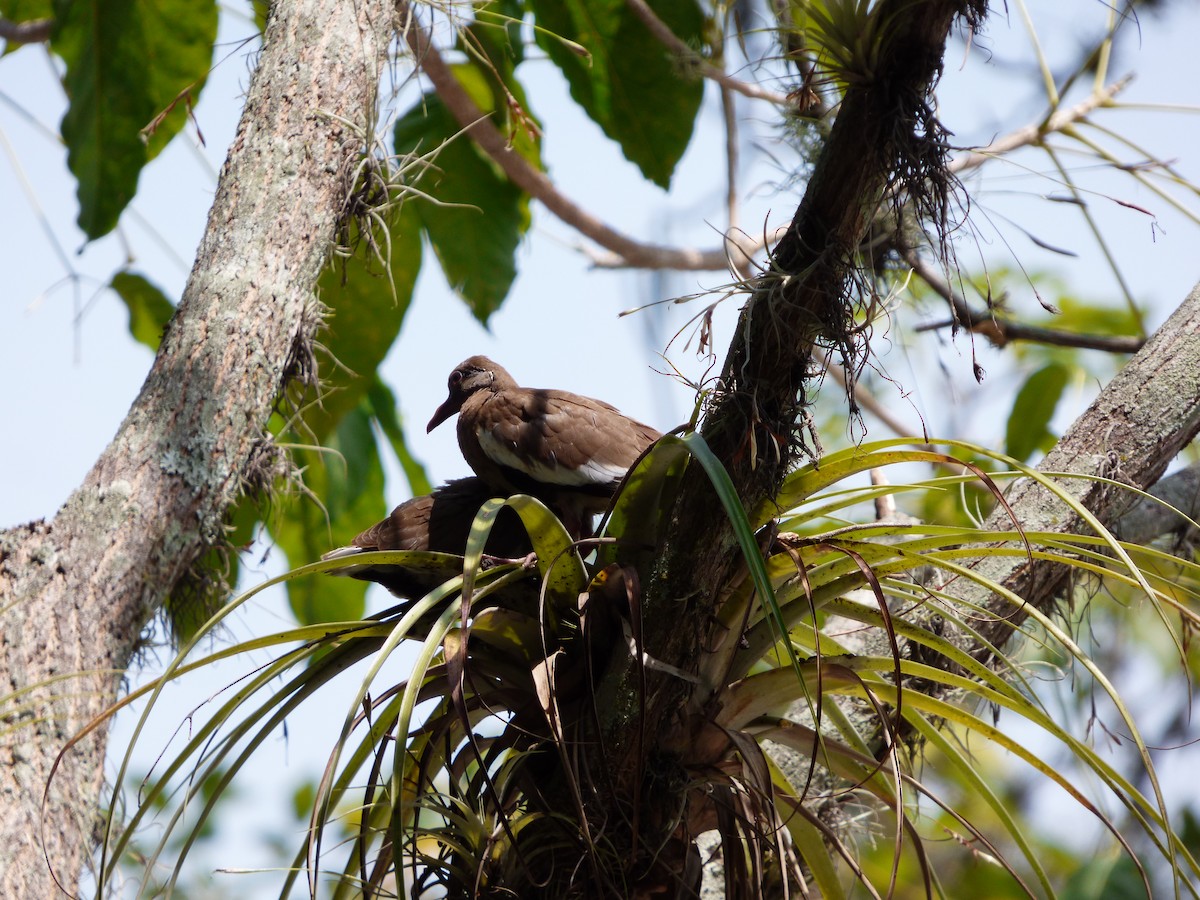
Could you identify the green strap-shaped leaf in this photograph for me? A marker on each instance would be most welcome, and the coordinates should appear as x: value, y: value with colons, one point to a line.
x: 626, y: 79
x: 474, y: 216
x: 149, y: 308
x: 127, y: 63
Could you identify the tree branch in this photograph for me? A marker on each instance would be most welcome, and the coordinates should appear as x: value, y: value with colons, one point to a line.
x: 1000, y: 331
x: 1148, y: 520
x: 79, y: 590
x: 1035, y: 132
x: 538, y: 185
x: 34, y: 31
x: 884, y: 125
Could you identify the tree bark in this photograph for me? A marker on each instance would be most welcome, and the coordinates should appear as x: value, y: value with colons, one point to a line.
x: 78, y: 590
x: 1140, y: 422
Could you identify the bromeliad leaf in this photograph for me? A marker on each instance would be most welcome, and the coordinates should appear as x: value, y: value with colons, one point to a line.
x: 127, y: 63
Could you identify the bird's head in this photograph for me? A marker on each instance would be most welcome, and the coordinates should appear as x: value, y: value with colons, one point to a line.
x: 475, y: 374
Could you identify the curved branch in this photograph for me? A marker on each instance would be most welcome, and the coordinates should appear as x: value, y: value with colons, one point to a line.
x: 475, y: 122
x: 1000, y: 331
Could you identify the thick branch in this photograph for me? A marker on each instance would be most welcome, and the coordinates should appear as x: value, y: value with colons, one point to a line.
x: 78, y: 591
x: 800, y: 301
x: 1139, y: 423
x: 1148, y: 520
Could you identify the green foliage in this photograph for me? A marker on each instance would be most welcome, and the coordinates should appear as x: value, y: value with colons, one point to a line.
x: 624, y: 78
x: 24, y: 11
x: 344, y: 484
x: 367, y: 293
x: 149, y: 308
x: 474, y: 216
x: 127, y: 64
x: 1029, y: 424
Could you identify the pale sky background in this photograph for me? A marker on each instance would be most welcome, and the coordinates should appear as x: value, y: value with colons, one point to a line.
x: 71, y: 369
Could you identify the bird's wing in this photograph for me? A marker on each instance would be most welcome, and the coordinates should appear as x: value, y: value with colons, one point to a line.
x: 406, y: 528
x: 560, y: 438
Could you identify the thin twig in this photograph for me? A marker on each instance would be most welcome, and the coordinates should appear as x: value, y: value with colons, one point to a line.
x: 729, y: 109
x: 35, y: 31
x: 1035, y: 132
x: 1002, y: 331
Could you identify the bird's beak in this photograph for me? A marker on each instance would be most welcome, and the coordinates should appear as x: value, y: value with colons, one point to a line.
x: 452, y: 405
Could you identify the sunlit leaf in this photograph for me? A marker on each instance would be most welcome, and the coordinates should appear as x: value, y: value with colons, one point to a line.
x: 127, y: 63
x: 475, y: 217
x: 149, y: 308
x: 625, y: 78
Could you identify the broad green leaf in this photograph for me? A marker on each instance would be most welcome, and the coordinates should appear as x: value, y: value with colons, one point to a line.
x: 364, y: 314
x: 149, y: 308
x: 127, y: 63
x: 625, y: 78
x: 347, y: 479
x: 1029, y: 424
x: 383, y: 408
x: 476, y: 217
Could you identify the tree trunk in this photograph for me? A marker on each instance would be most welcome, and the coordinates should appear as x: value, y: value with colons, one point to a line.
x: 78, y: 590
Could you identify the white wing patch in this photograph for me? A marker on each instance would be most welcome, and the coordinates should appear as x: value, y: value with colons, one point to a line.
x: 594, y: 471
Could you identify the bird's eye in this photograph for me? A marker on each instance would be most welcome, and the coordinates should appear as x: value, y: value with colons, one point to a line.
x: 456, y: 379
